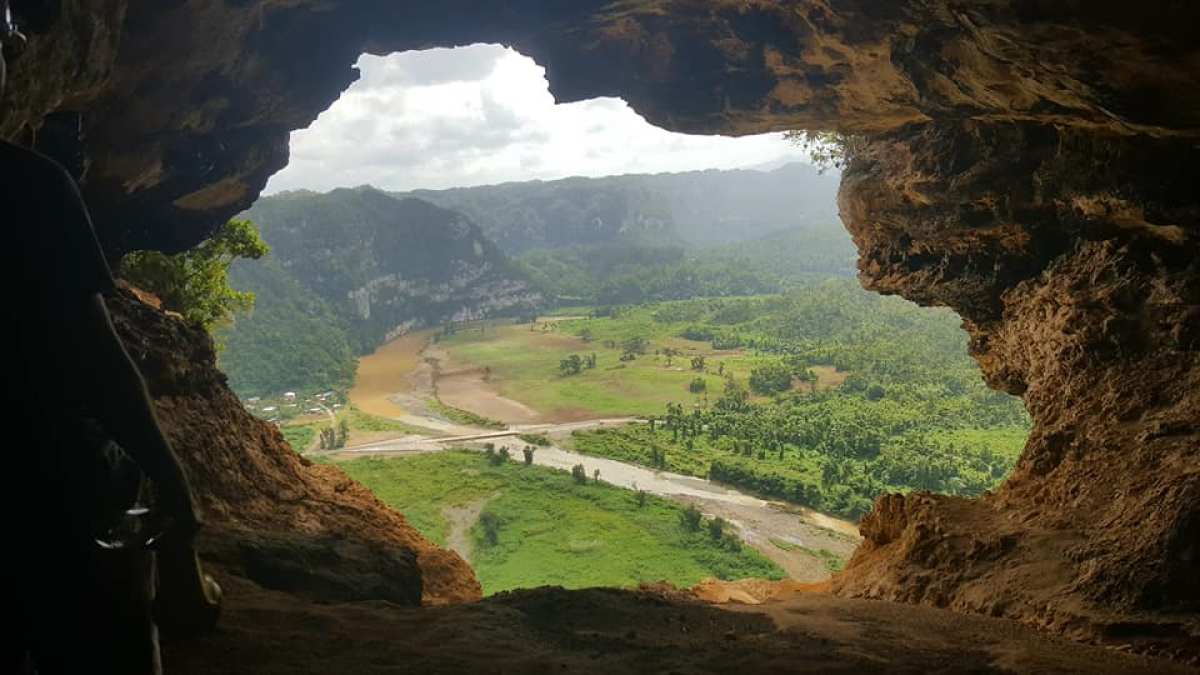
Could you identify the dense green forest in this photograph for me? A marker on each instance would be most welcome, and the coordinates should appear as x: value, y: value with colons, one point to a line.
x: 347, y: 271
x: 628, y: 273
x: 293, y: 340
x: 911, y: 413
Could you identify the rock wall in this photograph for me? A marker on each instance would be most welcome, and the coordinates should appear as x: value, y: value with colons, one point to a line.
x: 1072, y: 257
x: 1031, y: 163
x: 272, y: 516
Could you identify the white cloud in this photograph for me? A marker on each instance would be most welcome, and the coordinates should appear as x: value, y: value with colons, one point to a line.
x: 484, y: 114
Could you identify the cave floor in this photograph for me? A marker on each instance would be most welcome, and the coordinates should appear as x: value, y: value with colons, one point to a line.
x: 613, y: 631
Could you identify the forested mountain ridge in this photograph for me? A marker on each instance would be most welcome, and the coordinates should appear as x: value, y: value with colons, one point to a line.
x: 367, y: 265
x: 698, y: 208
x: 628, y: 273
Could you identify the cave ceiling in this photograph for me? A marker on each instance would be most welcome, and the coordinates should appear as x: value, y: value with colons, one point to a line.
x: 188, y: 105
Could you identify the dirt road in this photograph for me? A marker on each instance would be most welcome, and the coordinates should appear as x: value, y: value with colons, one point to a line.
x: 790, y: 535
x: 400, y: 380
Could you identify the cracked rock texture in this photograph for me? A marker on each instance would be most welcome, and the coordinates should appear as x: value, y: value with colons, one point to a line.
x: 1030, y: 163
x: 272, y: 516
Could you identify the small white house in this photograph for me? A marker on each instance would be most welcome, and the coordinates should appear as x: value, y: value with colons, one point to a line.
x: 289, y: 396
x: 253, y: 399
x: 270, y: 408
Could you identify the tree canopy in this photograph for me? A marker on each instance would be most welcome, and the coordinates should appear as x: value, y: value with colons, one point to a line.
x: 195, y: 283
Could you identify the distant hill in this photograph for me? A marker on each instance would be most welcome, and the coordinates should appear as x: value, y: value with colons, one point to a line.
x: 369, y: 266
x: 699, y: 208
x: 626, y: 273
x: 353, y: 268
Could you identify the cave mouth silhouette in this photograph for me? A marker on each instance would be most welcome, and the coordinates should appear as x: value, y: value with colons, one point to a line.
x: 1017, y: 168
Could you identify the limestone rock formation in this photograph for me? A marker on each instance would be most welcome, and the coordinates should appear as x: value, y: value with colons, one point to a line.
x: 271, y: 515
x: 1072, y: 257
x: 1031, y: 164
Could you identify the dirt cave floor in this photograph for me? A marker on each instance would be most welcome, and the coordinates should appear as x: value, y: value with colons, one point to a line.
x: 550, y: 630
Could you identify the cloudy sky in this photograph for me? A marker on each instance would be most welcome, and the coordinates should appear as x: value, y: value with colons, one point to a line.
x: 484, y: 114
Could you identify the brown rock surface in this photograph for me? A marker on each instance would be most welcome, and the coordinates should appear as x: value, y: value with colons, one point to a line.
x: 188, y: 105
x: 1072, y: 258
x: 549, y: 630
x: 1030, y: 163
x: 273, y: 516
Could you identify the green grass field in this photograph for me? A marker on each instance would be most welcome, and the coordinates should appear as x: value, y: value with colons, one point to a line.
x: 553, y: 531
x: 524, y: 366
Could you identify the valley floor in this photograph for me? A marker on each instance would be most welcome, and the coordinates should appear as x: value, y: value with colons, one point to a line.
x: 611, y: 631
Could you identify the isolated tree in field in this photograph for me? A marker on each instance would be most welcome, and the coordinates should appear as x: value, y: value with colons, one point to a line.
x: 770, y: 379
x: 572, y: 365
x: 586, y: 334
x: 698, y: 363
x: 579, y: 474
x: 343, y: 433
x: 690, y: 518
x: 716, y: 528
x: 498, y: 458
x: 589, y: 362
x: 698, y: 386
x: 489, y: 526
x: 735, y: 398
x: 670, y: 353
x: 635, y: 345
x: 195, y: 283
x: 596, y: 475
x: 528, y: 452
x: 640, y: 497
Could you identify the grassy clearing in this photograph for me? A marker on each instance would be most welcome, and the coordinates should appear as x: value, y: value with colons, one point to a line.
x: 301, y: 437
x: 525, y: 366
x: 552, y: 530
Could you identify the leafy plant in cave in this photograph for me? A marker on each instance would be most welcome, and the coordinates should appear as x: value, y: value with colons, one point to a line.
x: 195, y: 283
x: 827, y: 149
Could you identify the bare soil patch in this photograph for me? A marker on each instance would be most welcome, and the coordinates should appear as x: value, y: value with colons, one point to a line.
x: 461, y: 519
x: 468, y: 389
x: 387, y: 373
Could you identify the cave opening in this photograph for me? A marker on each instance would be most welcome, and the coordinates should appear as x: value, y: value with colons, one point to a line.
x: 1029, y: 167
x: 447, y: 241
